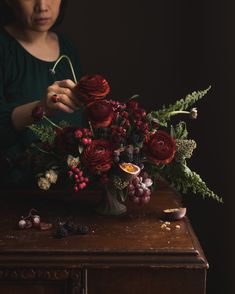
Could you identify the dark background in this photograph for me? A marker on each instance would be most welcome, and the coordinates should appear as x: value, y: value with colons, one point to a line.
x: 164, y: 50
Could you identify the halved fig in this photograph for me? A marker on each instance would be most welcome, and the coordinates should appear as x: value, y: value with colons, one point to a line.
x: 174, y: 213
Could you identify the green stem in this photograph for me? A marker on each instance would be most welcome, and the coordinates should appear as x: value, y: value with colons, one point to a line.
x: 70, y: 64
x: 178, y: 112
x: 51, y: 122
x: 41, y: 150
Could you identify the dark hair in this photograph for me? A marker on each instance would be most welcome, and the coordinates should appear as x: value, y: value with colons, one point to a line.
x: 7, y: 16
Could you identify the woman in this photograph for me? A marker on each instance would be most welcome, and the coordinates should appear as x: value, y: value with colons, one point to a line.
x: 28, y: 50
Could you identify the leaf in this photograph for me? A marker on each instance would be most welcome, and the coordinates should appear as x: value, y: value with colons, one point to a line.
x: 173, y: 133
x: 181, y: 130
x: 133, y: 97
x: 123, y: 194
x: 80, y: 148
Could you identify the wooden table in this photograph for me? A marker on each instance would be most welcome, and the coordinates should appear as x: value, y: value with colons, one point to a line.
x: 131, y: 253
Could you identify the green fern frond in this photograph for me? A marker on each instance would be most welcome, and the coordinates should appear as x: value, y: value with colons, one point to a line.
x: 183, y: 179
x: 199, y: 186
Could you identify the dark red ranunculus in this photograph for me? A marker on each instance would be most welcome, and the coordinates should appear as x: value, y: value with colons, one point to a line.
x: 159, y: 148
x: 91, y: 88
x: 100, y: 113
x: 98, y: 156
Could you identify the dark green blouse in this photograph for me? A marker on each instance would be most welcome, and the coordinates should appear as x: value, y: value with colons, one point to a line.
x: 23, y: 79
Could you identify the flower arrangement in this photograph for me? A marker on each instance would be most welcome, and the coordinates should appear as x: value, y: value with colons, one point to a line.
x: 123, y: 147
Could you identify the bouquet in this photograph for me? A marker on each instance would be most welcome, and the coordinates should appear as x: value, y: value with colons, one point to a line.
x: 123, y: 147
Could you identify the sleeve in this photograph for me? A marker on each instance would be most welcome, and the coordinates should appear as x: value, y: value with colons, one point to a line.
x: 8, y: 133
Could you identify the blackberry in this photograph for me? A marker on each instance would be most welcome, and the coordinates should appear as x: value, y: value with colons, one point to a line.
x: 60, y: 232
x: 70, y: 227
x: 82, y: 229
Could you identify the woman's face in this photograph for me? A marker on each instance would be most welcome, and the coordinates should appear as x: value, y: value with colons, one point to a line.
x: 37, y: 15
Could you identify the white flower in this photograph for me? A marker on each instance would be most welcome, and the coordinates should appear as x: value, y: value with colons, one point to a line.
x: 148, y: 182
x: 51, y: 176
x: 43, y: 183
x: 72, y: 161
x: 193, y: 113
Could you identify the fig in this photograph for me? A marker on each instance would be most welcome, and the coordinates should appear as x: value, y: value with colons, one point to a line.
x: 174, y: 213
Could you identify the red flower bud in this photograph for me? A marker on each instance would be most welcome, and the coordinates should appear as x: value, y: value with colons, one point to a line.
x: 100, y: 113
x: 37, y: 113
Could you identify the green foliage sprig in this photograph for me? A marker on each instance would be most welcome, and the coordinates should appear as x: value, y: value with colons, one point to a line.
x: 163, y: 115
x: 46, y: 134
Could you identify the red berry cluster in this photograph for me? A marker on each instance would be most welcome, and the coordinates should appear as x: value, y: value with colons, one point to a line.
x: 138, y: 115
x: 127, y: 115
x: 118, y: 130
x: 117, y: 106
x: 138, y: 190
x: 80, y: 180
x: 83, y: 135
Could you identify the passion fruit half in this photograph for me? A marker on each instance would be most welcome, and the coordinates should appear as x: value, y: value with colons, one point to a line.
x: 130, y: 169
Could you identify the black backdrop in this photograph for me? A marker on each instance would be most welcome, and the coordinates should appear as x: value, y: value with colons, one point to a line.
x: 163, y: 50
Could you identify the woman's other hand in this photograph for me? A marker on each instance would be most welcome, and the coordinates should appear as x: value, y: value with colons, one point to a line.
x: 60, y: 96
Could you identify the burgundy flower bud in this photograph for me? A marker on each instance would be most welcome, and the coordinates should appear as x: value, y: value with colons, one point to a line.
x: 37, y: 113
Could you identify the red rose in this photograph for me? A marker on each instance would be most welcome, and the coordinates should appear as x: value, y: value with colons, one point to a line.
x: 160, y: 148
x: 100, y: 113
x: 98, y: 156
x: 91, y: 88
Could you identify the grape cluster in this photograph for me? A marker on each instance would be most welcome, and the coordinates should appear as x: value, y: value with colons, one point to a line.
x: 138, y: 116
x: 80, y: 180
x: 138, y: 189
x: 32, y: 220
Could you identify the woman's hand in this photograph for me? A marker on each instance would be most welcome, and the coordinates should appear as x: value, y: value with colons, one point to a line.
x: 60, y: 96
x: 64, y: 100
